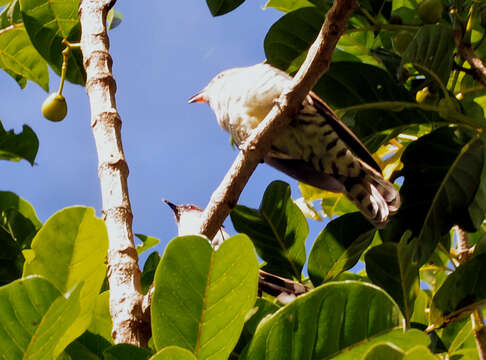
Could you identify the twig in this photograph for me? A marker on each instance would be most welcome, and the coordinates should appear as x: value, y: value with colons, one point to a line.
x: 467, y: 53
x: 276, y: 285
x: 463, y: 251
x: 257, y: 145
x: 123, y: 270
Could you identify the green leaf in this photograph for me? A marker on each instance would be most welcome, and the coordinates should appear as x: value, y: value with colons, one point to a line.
x: 392, y: 267
x: 432, y: 47
x: 386, y: 351
x: 458, y: 335
x: 324, y: 322
x: 419, y: 353
x: 350, y: 87
x: 405, y: 340
x: 339, y: 247
x: 87, y: 347
x: 278, y: 230
x: 9, y: 200
x: 101, y: 324
x: 23, y: 305
x: 148, y: 272
x: 19, y: 58
x: 55, y: 333
x: 113, y: 19
x: 71, y: 247
x: 287, y: 5
x: 461, y: 292
x: 173, y: 353
x: 15, y: 147
x: 442, y: 174
x: 421, y: 307
x: 221, y: 7
x: 10, y: 15
x: 147, y: 243
x: 210, y: 294
x: 47, y: 24
x: 126, y: 352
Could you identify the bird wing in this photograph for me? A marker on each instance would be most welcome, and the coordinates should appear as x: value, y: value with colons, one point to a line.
x: 345, y: 133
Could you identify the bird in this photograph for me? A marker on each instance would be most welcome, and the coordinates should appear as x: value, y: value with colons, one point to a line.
x: 316, y: 148
x: 188, y: 219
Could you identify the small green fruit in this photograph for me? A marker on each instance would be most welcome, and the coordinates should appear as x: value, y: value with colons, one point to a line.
x: 54, y: 107
x: 448, y: 107
x: 430, y: 11
x: 401, y: 40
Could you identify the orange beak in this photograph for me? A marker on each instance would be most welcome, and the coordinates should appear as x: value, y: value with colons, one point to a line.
x: 198, y: 98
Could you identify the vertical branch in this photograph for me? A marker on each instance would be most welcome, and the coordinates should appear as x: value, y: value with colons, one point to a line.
x: 123, y: 270
x: 463, y: 253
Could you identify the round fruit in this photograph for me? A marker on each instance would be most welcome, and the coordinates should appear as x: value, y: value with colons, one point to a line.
x: 401, y: 40
x: 430, y: 11
x: 447, y: 107
x: 54, y: 107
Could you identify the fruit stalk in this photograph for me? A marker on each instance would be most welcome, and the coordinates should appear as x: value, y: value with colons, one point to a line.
x: 123, y: 271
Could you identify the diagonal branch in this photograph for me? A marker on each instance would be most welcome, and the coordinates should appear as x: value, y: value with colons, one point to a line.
x: 258, y: 144
x: 123, y: 270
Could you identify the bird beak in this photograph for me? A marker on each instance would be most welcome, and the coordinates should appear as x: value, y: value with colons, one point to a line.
x: 198, y: 98
x: 174, y: 208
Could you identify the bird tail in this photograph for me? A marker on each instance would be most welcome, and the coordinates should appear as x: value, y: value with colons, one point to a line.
x: 375, y: 197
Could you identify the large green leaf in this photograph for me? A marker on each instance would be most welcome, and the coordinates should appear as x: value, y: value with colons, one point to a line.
x: 356, y: 85
x: 392, y: 267
x: 278, y: 230
x: 339, y: 247
x: 461, y: 291
x: 441, y: 188
x: 9, y: 200
x: 221, y: 7
x: 23, y: 304
x: 101, y: 324
x: 126, y: 352
x: 47, y: 24
x: 15, y: 147
x: 18, y: 57
x: 87, y: 347
x: 325, y: 321
x: 71, y: 247
x: 287, y: 5
x: 202, y: 296
x: 432, y: 48
x: 173, y: 353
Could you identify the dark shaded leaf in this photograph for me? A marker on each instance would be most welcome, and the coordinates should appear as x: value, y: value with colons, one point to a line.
x: 87, y: 347
x: 15, y: 147
x: 339, y: 247
x: 278, y: 230
x: 126, y: 352
x: 148, y: 272
x: 221, y: 7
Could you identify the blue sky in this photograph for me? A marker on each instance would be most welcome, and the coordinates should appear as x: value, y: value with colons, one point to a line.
x: 163, y: 52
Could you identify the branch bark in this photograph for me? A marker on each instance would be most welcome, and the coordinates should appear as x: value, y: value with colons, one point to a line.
x: 463, y: 251
x: 257, y: 145
x: 476, y: 64
x: 123, y: 270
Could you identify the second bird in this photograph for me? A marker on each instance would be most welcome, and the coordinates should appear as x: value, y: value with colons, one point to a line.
x: 316, y: 148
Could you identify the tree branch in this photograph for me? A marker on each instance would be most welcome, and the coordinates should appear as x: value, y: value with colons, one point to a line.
x: 467, y: 53
x: 123, y: 270
x: 257, y: 145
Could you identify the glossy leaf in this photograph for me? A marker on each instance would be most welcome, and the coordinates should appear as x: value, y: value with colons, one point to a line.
x: 339, y: 247
x: 18, y: 57
x: 386, y: 351
x: 432, y: 47
x: 23, y: 304
x: 126, y: 352
x: 221, y: 7
x: 21, y: 146
x: 325, y: 321
x: 47, y: 24
x: 442, y: 177
x: 404, y: 340
x: 71, y: 247
x: 101, y: 324
x: 9, y: 200
x: 392, y: 267
x: 210, y: 294
x: 87, y: 347
x: 278, y: 230
x: 148, y: 272
x: 173, y: 353
x: 461, y: 291
x: 287, y: 5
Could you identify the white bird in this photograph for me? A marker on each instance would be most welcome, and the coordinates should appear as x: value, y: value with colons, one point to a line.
x: 317, y: 148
